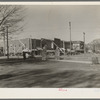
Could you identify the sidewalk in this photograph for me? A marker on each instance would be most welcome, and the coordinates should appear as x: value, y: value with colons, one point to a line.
x: 11, y: 57
x: 10, y: 60
x: 15, y: 59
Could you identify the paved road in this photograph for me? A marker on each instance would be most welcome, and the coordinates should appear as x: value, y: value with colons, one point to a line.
x: 82, y: 62
x: 50, y: 74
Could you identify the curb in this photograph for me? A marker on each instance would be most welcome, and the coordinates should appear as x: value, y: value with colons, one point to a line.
x: 19, y: 60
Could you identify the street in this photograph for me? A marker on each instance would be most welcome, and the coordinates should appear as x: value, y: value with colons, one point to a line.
x: 49, y: 74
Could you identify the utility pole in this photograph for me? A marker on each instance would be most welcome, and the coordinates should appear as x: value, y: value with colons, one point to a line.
x: 41, y: 41
x: 70, y: 36
x: 64, y: 46
x: 84, y: 41
x: 7, y: 43
x: 3, y: 39
x: 4, y: 43
x: 30, y: 42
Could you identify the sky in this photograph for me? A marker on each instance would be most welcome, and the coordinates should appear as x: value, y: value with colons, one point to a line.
x: 52, y: 21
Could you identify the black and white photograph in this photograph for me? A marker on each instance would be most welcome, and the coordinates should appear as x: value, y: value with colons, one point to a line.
x: 49, y: 46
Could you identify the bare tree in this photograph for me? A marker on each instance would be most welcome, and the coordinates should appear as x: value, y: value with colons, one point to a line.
x: 11, y: 15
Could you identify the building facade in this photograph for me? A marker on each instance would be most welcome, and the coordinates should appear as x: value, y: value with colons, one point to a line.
x: 36, y: 45
x: 17, y: 46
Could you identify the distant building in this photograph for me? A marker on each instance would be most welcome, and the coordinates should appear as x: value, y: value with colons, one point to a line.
x: 17, y: 46
x: 36, y: 45
x: 67, y: 45
x: 57, y: 42
x: 48, y: 42
x: 78, y: 45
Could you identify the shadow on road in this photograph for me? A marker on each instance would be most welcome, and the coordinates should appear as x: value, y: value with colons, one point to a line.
x: 47, y: 79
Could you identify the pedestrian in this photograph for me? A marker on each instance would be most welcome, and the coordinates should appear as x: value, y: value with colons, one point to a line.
x: 57, y: 53
x: 27, y: 55
x: 24, y: 55
x: 44, y: 53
